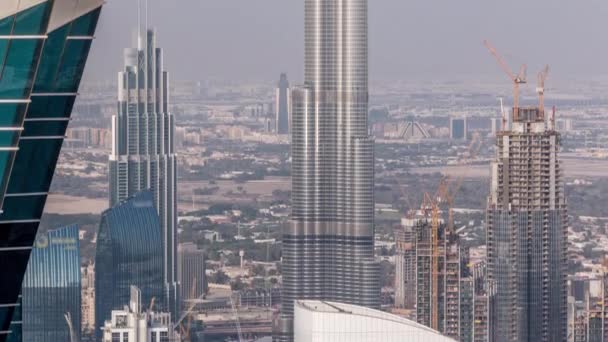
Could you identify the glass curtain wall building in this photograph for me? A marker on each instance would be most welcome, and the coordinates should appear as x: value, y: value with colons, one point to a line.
x: 191, y: 271
x: 51, y: 287
x: 44, y: 46
x: 328, y: 248
x: 129, y: 253
x: 143, y: 152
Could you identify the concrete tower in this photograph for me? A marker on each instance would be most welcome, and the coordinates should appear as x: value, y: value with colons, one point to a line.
x: 527, y: 232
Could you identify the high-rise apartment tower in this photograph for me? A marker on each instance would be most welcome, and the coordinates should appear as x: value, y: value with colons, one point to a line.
x: 527, y: 232
x: 143, y: 153
x: 328, y: 247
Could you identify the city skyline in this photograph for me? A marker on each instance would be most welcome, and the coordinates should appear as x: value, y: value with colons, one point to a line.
x: 293, y: 209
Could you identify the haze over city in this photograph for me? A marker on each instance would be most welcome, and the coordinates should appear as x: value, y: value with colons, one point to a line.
x: 409, y: 39
x: 303, y: 171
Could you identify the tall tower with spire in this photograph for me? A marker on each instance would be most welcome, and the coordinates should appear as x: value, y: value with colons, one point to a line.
x: 328, y: 248
x: 143, y: 153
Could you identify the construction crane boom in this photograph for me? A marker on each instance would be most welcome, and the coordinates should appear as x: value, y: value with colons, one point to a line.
x: 518, y: 79
x: 540, y: 89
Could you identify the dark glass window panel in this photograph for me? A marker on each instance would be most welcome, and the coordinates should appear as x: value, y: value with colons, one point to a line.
x: 50, y: 107
x: 85, y: 25
x: 44, y: 128
x: 4, y: 43
x: 19, y: 67
x: 11, y: 114
x: 49, y: 62
x: 6, y: 315
x: 8, y: 138
x: 17, y: 234
x: 6, y: 25
x: 35, y: 164
x: 72, y: 65
x: 22, y: 208
x: 13, y: 265
x: 32, y: 21
x: 6, y: 160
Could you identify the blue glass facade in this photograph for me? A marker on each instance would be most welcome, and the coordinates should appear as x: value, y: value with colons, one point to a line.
x: 51, y: 287
x: 129, y: 252
x: 37, y: 92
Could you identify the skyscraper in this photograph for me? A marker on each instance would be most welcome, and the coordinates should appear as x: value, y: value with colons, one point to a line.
x: 143, y: 153
x: 438, y: 277
x: 44, y: 47
x: 51, y: 287
x: 129, y: 253
x: 328, y: 248
x: 405, y: 265
x: 191, y: 271
x: 283, y: 106
x: 527, y: 232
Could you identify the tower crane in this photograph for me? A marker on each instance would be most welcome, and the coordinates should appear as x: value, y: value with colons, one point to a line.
x: 540, y: 89
x: 518, y: 79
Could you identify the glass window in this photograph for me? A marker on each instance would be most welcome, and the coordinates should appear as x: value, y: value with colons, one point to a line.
x: 8, y: 138
x: 6, y: 25
x: 43, y: 128
x: 22, y: 208
x: 50, y: 107
x: 115, y: 337
x: 72, y: 65
x: 6, y: 160
x: 13, y: 265
x: 85, y: 25
x: 49, y: 62
x: 17, y: 234
x: 11, y: 114
x: 32, y: 21
x: 35, y: 163
x: 19, y: 67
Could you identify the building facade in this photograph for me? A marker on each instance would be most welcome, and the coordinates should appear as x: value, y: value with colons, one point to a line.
x: 51, y: 288
x: 328, y: 248
x: 129, y: 253
x: 405, y: 266
x: 88, y: 299
x: 44, y: 47
x: 527, y: 226
x: 191, y: 271
x: 138, y: 322
x: 438, y: 303
x: 459, y: 128
x: 319, y: 321
x: 143, y: 152
x: 283, y: 106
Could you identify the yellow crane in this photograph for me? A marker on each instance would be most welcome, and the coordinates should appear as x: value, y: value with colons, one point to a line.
x: 518, y: 79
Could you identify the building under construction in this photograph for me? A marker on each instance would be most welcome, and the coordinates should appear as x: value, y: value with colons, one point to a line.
x: 438, y: 278
x: 527, y: 223
x: 527, y: 232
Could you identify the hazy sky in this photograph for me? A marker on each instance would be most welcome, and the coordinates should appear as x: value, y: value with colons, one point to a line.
x: 409, y: 39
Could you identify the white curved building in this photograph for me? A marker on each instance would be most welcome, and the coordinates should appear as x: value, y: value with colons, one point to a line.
x: 319, y: 321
